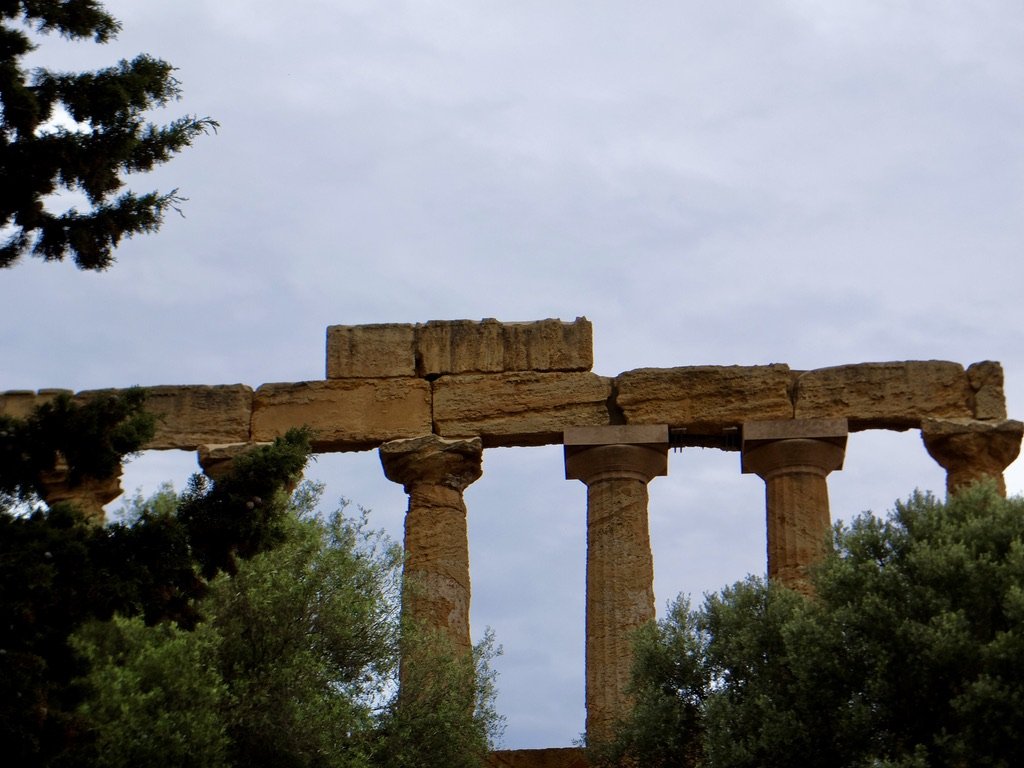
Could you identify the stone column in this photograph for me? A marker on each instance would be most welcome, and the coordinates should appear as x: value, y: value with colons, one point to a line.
x: 616, y: 463
x: 970, y: 450
x: 435, y: 472
x: 89, y: 494
x: 794, y: 458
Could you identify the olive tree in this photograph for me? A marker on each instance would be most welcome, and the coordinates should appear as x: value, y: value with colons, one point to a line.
x: 909, y: 655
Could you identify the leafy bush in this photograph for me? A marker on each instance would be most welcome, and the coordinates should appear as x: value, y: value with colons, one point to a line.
x: 911, y: 654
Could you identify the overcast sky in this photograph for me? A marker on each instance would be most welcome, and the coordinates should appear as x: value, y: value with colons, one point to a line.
x: 710, y: 183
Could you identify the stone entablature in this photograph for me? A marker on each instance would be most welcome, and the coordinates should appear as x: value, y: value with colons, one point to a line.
x: 521, y: 384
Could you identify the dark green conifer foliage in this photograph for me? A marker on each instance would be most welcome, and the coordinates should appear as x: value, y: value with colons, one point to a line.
x: 92, y: 438
x: 58, y: 572
x: 243, y: 513
x: 112, y: 138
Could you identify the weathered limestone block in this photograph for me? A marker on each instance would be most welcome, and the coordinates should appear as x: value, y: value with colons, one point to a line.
x: 555, y: 757
x: 465, y: 346
x: 705, y: 399
x: 19, y: 403
x: 457, y: 346
x: 971, y: 450
x: 370, y: 351
x: 509, y: 409
x: 344, y: 414
x: 188, y: 416
x: 986, y: 379
x: 896, y: 395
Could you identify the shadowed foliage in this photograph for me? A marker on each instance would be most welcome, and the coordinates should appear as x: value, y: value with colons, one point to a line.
x: 91, y: 438
x: 59, y: 572
x: 81, y: 133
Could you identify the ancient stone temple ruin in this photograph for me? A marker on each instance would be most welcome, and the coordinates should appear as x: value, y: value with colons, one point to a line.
x: 432, y: 397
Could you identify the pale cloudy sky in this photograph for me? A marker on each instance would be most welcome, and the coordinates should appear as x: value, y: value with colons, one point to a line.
x: 710, y: 183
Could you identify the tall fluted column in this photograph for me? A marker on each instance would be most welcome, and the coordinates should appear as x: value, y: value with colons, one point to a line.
x: 616, y: 463
x: 970, y: 451
x: 794, y: 458
x: 435, y: 472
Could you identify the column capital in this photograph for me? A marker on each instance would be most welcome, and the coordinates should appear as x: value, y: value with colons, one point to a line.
x: 794, y: 458
x: 434, y: 460
x: 626, y: 452
x: 971, y: 450
x: 793, y: 445
x: 216, y: 460
x: 88, y: 494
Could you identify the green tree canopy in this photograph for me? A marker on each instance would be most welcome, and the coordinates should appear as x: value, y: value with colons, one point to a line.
x: 294, y: 666
x: 154, y: 696
x: 911, y: 655
x: 227, y: 626
x: 58, y: 572
x: 109, y: 137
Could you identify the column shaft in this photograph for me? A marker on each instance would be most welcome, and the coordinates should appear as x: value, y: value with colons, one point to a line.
x: 435, y: 581
x: 616, y: 463
x: 620, y: 592
x: 436, y: 589
x: 797, y: 520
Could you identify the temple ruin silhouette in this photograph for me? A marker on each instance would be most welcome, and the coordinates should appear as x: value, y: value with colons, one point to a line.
x: 433, y: 397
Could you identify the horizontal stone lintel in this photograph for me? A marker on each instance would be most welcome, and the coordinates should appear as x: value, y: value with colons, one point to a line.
x: 704, y: 399
x: 891, y: 395
x: 446, y: 347
x: 19, y: 403
x: 187, y: 416
x: 519, y: 409
x: 344, y: 414
x: 193, y: 415
x: 369, y: 351
x: 535, y: 408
